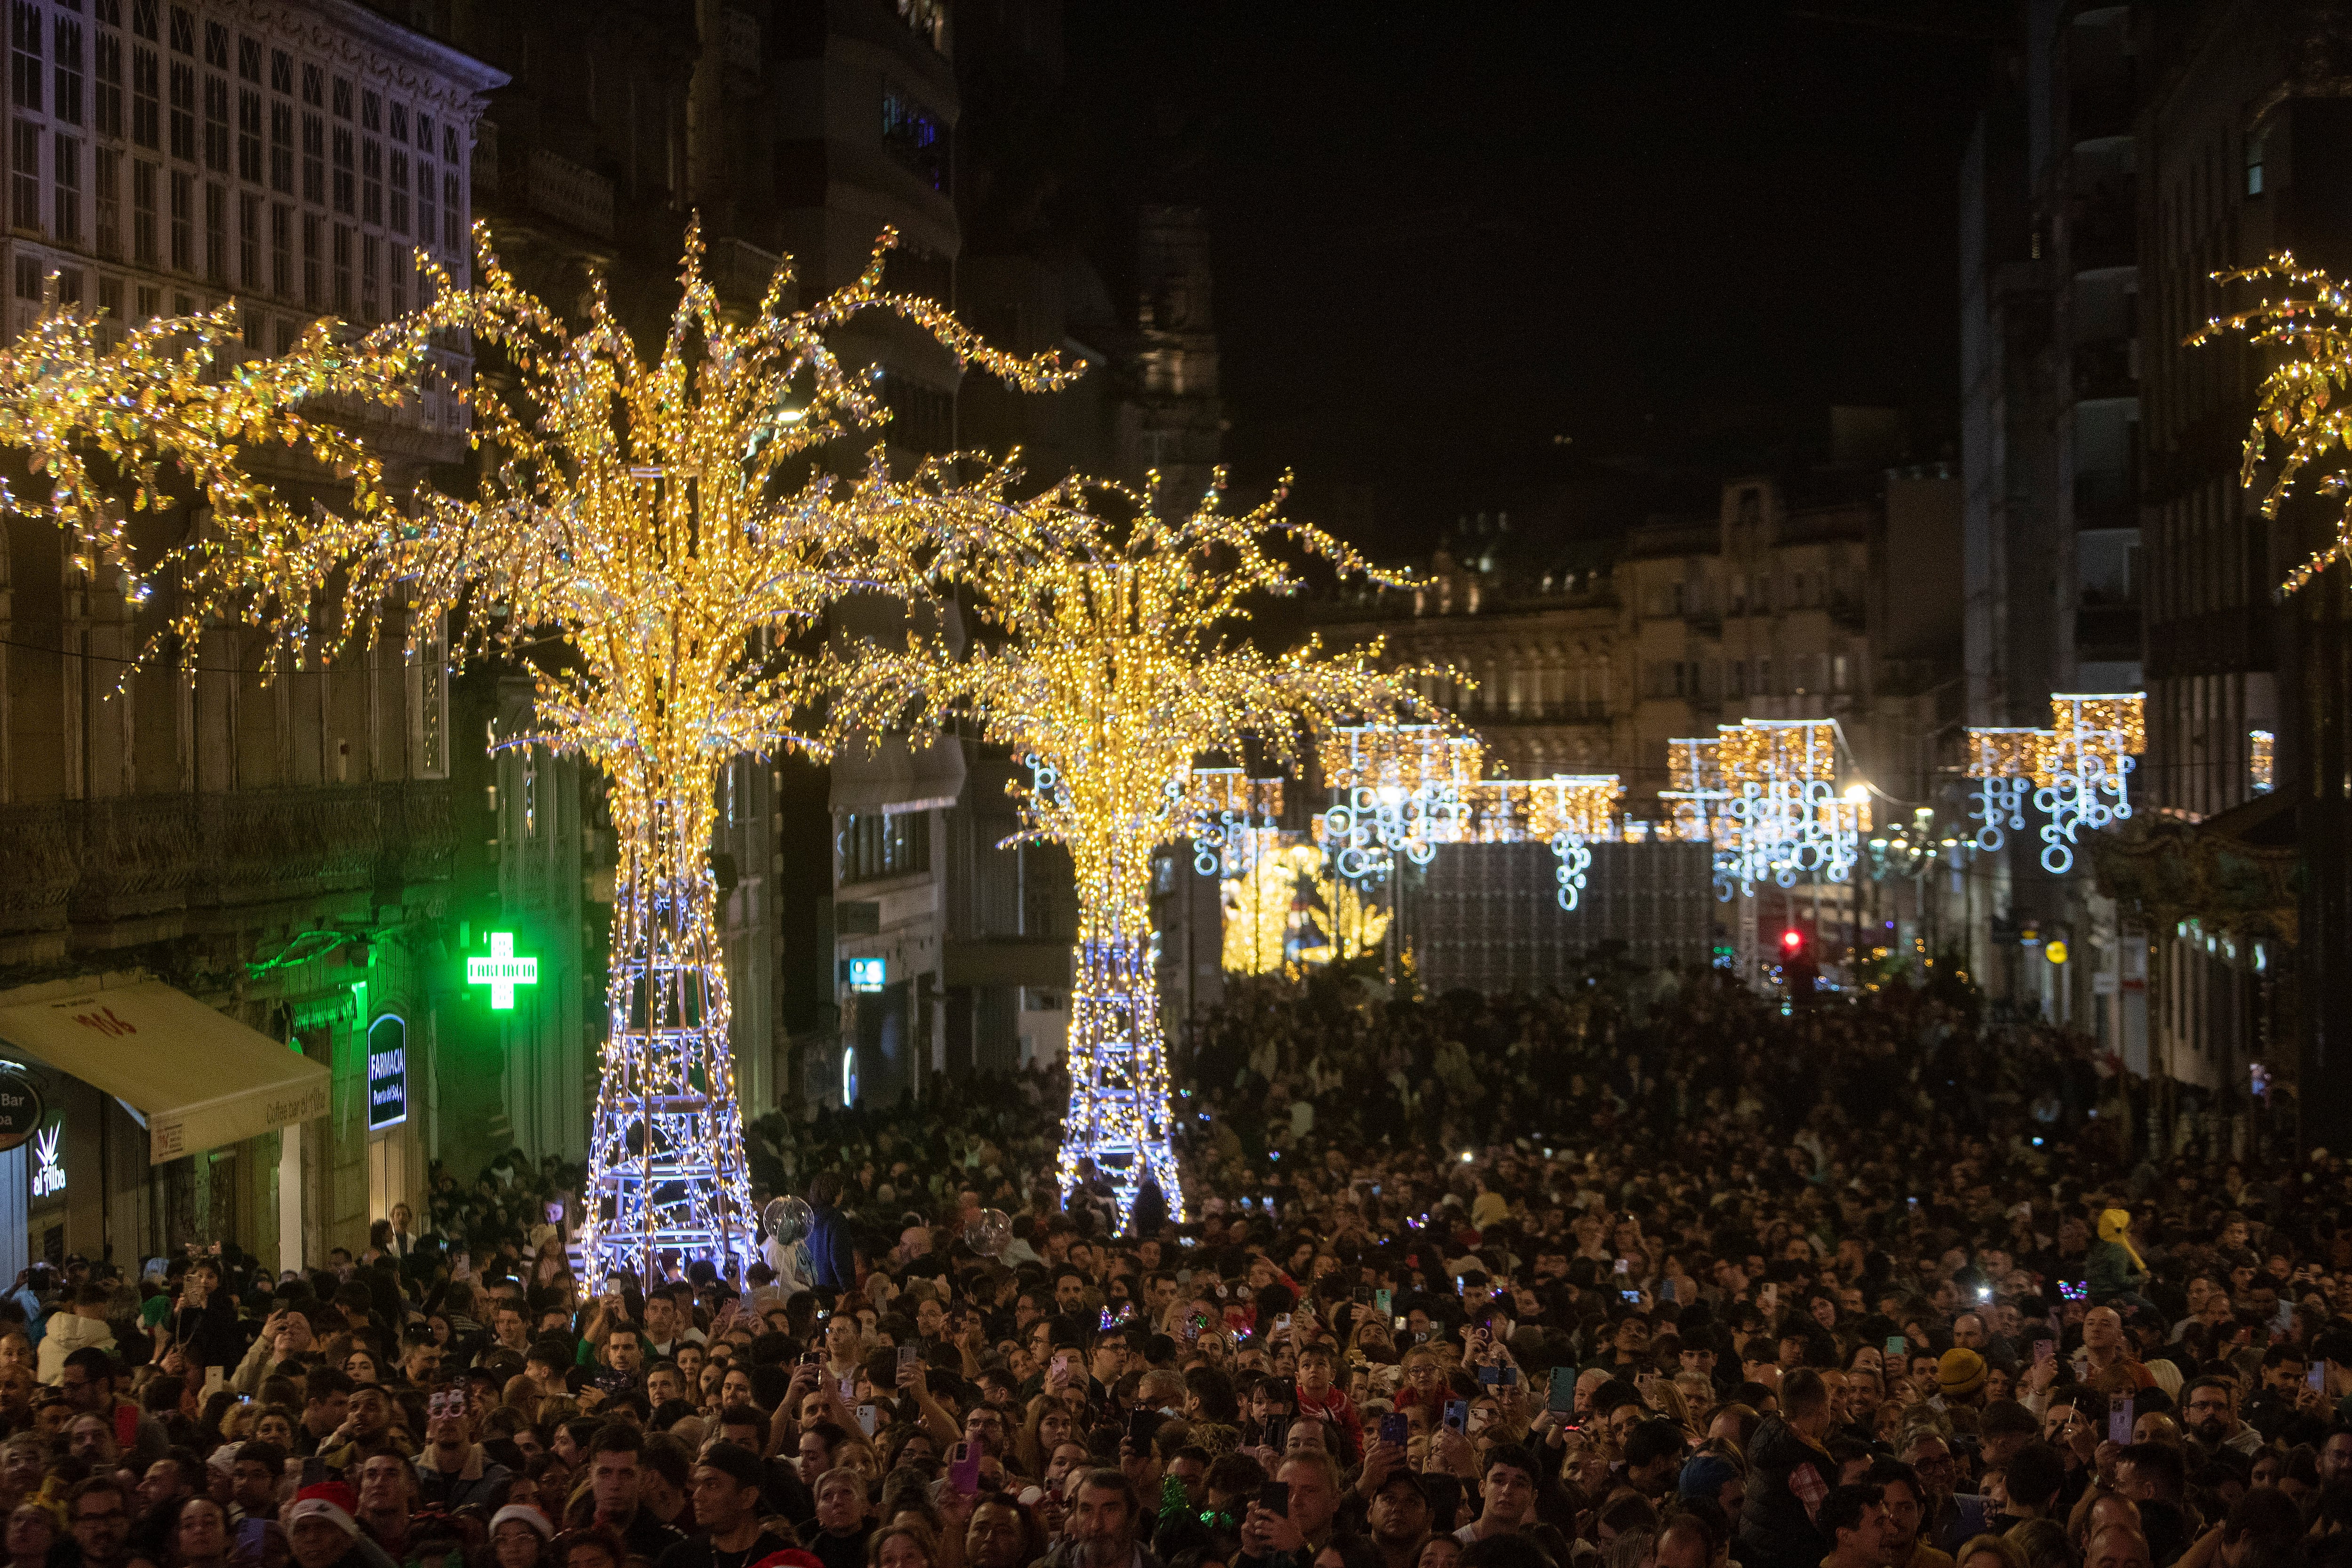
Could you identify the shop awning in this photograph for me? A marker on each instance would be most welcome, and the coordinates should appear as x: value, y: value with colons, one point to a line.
x: 200, y: 1077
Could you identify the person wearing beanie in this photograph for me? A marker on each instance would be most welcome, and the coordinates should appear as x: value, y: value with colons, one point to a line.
x: 1714, y: 1478
x: 518, y: 1536
x: 1960, y: 1376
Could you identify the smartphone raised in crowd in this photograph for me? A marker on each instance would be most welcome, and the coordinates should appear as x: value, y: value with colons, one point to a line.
x: 1457, y: 1415
x: 1396, y: 1430
x: 963, y: 1469
x: 1562, y: 1397
x: 2119, y: 1420
x: 1274, y: 1498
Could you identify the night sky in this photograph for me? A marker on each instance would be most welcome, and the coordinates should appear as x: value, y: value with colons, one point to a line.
x: 1446, y: 235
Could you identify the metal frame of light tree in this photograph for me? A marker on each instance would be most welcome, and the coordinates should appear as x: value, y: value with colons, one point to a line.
x: 645, y: 536
x: 2079, y: 767
x: 1110, y: 655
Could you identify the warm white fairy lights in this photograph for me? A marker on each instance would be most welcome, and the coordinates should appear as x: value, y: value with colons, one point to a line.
x: 1235, y: 819
x: 1999, y: 761
x: 1566, y: 811
x: 647, y: 537
x: 1787, y: 819
x: 1398, y: 790
x: 1112, y: 653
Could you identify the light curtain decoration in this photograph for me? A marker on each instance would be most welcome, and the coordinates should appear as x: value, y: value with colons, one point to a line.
x: 1779, y: 793
x: 2079, y: 768
x: 1566, y: 811
x: 648, y: 536
x: 1399, y: 790
x: 1235, y: 819
x: 1109, y: 651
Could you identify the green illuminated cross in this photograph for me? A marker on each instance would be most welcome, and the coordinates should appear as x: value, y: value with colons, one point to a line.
x: 502, y: 971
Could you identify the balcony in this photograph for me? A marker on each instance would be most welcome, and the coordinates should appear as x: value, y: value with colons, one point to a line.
x: 2106, y: 367
x: 174, y: 863
x: 558, y: 188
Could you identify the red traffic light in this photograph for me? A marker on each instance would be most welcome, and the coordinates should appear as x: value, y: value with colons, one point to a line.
x: 1792, y: 940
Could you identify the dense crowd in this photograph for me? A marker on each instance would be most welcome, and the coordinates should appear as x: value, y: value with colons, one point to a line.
x: 1655, y: 1271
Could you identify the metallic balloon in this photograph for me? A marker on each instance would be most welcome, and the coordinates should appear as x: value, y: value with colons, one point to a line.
x: 786, y: 1220
x: 990, y: 1234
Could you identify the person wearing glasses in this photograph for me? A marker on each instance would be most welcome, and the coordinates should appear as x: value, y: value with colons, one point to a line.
x: 99, y: 1513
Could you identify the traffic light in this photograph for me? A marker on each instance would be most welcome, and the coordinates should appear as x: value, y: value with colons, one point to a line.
x: 1792, y: 941
x: 1799, y: 973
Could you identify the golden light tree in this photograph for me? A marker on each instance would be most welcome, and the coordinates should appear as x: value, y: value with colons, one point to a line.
x: 648, y: 536
x: 1110, y: 655
x: 2299, y: 415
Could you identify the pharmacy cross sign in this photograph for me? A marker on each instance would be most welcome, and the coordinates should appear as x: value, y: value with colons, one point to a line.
x: 502, y: 971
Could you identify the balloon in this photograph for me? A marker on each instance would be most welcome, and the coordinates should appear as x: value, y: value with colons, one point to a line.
x: 786, y: 1220
x: 989, y: 1234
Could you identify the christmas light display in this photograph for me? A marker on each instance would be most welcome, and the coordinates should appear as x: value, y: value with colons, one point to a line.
x: 1110, y: 654
x: 1289, y: 912
x: 1787, y: 819
x: 2310, y: 323
x: 1695, y: 796
x: 2077, y: 767
x: 647, y: 537
x: 1233, y: 820
x: 1400, y: 789
x: 2080, y: 768
x: 2000, y: 760
x: 2262, y: 747
x: 1566, y: 811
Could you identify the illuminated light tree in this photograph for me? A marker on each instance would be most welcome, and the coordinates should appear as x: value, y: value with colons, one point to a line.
x: 1110, y: 656
x: 2299, y: 415
x: 648, y: 536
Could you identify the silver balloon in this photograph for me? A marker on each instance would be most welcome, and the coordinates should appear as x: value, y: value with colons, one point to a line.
x: 786, y: 1220
x: 990, y: 1234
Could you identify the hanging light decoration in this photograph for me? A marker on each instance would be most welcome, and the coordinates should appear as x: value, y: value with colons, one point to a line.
x: 2081, y: 766
x: 2077, y: 769
x: 1787, y: 819
x: 1234, y: 820
x: 1398, y: 789
x: 2000, y: 760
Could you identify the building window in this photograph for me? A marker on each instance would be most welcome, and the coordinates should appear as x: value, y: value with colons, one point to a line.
x: 248, y: 58
x: 110, y: 310
x: 346, y: 178
x: 183, y: 111
x: 24, y: 175
x: 248, y: 135
x: 146, y: 99
x: 311, y: 263
x: 343, y: 270
x: 875, y: 845
x: 217, y: 123
x: 399, y: 184
x: 281, y: 73
x: 68, y: 37
x: 143, y: 213
x: 281, y: 148
x: 314, y: 159
x: 150, y: 302
x: 109, y: 202
x: 342, y: 97
x: 372, y: 111
x: 915, y: 138
x: 110, y: 82
x: 370, y: 266
x: 426, y: 222
x: 371, y: 179
x: 65, y: 171
x: 449, y: 210
x: 281, y: 249
x: 2254, y: 151
x: 184, y: 221
x: 142, y: 18
x: 24, y: 55
x: 248, y: 239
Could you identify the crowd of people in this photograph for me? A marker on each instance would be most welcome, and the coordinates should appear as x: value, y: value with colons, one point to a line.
x: 1650, y: 1272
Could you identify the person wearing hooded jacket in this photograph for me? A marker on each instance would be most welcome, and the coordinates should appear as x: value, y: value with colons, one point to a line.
x: 832, y: 1260
x: 1789, y: 1472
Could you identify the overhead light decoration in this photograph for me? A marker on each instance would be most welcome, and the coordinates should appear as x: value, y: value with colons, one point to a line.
x: 1786, y: 818
x: 638, y: 537
x: 2000, y: 760
x: 1120, y: 662
x: 1398, y: 790
x: 2079, y: 768
x: 1236, y: 819
x: 1566, y: 811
